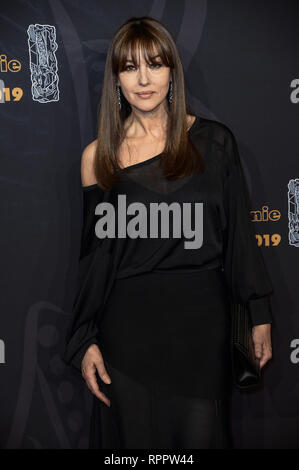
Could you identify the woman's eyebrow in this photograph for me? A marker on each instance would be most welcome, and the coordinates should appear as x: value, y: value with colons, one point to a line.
x: 130, y: 60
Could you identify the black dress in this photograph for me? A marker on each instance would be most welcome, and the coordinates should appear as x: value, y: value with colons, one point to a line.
x: 156, y: 301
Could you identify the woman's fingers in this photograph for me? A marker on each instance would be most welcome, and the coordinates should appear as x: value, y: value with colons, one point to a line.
x: 267, y: 354
x: 262, y: 343
x: 90, y: 378
x: 91, y: 363
x: 102, y: 370
x: 258, y: 349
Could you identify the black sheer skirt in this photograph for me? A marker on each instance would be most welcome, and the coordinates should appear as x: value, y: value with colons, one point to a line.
x: 165, y: 341
x: 145, y: 418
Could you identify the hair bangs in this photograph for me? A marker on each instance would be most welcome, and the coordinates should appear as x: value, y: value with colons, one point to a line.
x: 145, y: 44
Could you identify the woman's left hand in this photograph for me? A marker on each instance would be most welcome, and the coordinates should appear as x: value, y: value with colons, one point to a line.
x: 261, y: 335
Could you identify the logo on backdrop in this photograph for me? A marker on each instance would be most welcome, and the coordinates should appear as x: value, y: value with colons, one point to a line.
x: 9, y: 94
x: 43, y: 63
x: 293, y: 211
x: 265, y: 214
x: 9, y: 65
x: 43, y: 66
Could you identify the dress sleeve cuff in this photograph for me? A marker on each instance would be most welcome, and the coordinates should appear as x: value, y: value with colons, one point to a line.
x: 78, y: 357
x: 260, y: 311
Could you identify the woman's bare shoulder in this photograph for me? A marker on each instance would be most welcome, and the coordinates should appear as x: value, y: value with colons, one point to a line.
x: 87, y: 161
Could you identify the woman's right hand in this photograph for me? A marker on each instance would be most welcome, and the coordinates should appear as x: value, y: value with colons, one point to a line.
x: 92, y: 362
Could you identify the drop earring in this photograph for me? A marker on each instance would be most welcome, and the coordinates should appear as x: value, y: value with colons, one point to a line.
x: 170, y: 93
x: 118, y: 96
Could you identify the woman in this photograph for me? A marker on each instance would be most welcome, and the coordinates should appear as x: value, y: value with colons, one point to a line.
x: 151, y: 323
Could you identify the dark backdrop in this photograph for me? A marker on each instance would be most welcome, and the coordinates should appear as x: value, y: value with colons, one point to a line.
x: 241, y: 66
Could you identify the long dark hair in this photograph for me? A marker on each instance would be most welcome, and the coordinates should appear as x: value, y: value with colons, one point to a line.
x: 180, y: 156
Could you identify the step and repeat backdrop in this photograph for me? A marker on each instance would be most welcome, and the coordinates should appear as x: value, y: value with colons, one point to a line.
x: 241, y: 67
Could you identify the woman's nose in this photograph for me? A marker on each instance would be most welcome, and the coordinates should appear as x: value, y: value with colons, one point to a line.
x: 143, y: 75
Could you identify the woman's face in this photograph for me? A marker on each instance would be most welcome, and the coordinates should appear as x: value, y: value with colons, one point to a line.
x: 144, y: 78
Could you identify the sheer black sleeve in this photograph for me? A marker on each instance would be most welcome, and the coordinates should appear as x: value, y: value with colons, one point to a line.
x: 94, y: 271
x: 244, y: 265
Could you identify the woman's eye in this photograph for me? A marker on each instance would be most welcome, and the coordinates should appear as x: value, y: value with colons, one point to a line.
x: 128, y: 67
x: 132, y: 67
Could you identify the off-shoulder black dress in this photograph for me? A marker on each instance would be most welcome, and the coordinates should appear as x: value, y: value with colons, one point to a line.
x: 159, y: 311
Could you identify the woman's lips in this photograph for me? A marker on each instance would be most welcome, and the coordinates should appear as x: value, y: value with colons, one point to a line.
x: 144, y: 95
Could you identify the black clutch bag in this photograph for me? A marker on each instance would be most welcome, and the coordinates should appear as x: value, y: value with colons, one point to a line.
x: 245, y: 366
